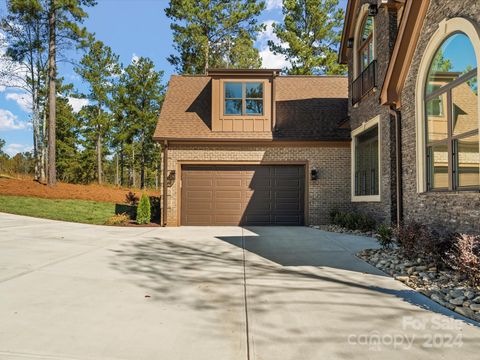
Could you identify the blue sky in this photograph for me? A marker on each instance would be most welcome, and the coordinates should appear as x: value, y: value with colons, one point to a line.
x: 131, y: 28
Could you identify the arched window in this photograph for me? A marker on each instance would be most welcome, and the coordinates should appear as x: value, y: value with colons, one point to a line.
x: 451, y: 116
x: 365, y: 41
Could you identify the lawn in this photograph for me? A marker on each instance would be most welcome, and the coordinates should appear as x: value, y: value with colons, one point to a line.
x: 82, y: 211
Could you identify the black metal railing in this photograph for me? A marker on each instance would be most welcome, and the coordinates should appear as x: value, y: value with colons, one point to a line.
x: 365, y: 82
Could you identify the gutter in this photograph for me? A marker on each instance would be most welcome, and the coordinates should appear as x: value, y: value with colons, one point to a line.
x: 398, y: 164
x: 165, y: 188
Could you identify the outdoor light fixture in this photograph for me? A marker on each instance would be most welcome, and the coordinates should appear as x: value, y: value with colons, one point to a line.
x: 314, y: 174
x: 350, y: 43
x: 372, y: 9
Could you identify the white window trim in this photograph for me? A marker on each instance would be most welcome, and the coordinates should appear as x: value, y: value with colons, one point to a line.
x: 355, y: 133
x: 363, y: 12
x: 445, y: 28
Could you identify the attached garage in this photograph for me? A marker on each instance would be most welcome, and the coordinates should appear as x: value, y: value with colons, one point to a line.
x: 242, y: 195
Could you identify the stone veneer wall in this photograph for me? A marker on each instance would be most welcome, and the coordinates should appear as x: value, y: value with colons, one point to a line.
x: 369, y: 107
x: 451, y: 211
x: 330, y: 191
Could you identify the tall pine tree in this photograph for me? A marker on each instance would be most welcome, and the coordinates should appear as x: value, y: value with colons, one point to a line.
x: 311, y: 31
x: 211, y: 33
x: 98, y: 67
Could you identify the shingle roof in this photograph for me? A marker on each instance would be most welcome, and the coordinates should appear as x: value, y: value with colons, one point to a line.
x: 307, y: 108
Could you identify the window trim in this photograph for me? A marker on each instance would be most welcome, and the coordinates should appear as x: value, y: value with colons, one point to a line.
x: 446, y: 28
x: 244, y: 98
x: 355, y: 133
x: 362, y: 15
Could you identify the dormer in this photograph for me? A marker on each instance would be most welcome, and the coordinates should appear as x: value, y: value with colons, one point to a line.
x: 242, y: 100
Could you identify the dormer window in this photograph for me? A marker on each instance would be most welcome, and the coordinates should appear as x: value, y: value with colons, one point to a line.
x: 243, y: 98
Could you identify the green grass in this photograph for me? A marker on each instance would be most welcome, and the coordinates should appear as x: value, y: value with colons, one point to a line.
x: 82, y: 211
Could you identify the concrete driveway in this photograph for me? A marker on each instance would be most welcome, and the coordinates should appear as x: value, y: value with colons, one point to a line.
x: 72, y: 291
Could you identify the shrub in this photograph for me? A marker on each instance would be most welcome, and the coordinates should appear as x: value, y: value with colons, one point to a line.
x: 119, y: 219
x: 365, y: 223
x: 143, y: 210
x: 385, y: 236
x: 131, y: 198
x: 410, y: 236
x: 464, y: 257
x: 333, y: 214
x: 339, y: 219
x: 417, y: 240
x: 352, y: 221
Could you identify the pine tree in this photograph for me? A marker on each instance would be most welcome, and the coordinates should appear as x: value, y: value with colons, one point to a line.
x: 64, y: 17
x: 204, y: 32
x: 98, y: 68
x: 142, y: 99
x: 24, y: 66
x: 311, y: 31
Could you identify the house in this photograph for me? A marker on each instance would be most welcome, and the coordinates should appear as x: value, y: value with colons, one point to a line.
x: 398, y: 139
x: 414, y: 110
x: 253, y: 147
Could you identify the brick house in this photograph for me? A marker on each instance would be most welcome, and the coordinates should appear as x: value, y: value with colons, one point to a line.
x: 413, y: 79
x: 397, y: 139
x: 253, y: 147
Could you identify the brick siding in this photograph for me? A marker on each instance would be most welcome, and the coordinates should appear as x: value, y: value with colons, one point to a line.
x: 330, y: 191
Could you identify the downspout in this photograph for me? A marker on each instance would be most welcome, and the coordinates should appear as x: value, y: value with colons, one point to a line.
x: 165, y: 188
x: 398, y: 163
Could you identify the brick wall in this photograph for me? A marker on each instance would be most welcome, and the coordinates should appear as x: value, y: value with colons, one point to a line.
x: 369, y: 107
x: 330, y: 191
x: 452, y: 211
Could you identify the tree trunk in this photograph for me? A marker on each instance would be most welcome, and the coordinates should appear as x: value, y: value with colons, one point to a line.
x: 99, y: 159
x: 43, y: 150
x: 206, y: 57
x: 52, y: 171
x: 122, y: 164
x: 117, y: 181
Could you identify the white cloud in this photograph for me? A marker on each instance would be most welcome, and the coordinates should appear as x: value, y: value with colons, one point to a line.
x: 273, y: 4
x: 9, y: 121
x: 77, y: 104
x: 13, y: 149
x: 272, y: 61
x: 2, y: 88
x: 269, y: 59
x: 23, y: 100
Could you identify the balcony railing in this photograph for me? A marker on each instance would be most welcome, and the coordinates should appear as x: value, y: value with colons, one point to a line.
x: 365, y: 82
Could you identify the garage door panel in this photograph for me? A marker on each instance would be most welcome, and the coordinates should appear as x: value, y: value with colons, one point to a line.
x: 242, y: 195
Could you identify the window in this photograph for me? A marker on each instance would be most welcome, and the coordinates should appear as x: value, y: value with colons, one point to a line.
x: 243, y: 98
x: 451, y: 117
x: 366, y: 163
x: 365, y: 47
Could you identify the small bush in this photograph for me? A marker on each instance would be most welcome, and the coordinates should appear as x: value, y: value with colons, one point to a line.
x: 365, y: 223
x: 339, y: 219
x: 417, y: 240
x: 131, y: 198
x: 119, y: 219
x: 409, y: 237
x: 464, y: 257
x: 333, y: 214
x: 352, y: 221
x: 143, y: 210
x: 385, y: 236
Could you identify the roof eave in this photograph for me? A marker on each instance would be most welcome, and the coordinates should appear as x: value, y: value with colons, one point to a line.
x: 403, y: 51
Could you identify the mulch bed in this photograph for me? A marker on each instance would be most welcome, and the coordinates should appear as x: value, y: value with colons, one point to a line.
x: 94, y: 192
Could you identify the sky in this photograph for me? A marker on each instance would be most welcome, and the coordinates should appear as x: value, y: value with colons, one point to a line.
x: 131, y: 28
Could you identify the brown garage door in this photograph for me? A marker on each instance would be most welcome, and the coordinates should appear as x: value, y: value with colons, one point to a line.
x: 243, y: 195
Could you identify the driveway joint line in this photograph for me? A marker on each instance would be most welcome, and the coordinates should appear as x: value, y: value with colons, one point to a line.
x: 247, y: 330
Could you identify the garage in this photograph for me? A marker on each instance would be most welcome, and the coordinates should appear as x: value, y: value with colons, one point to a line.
x: 243, y: 195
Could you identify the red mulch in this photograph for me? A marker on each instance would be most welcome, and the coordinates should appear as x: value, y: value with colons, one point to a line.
x: 104, y: 193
